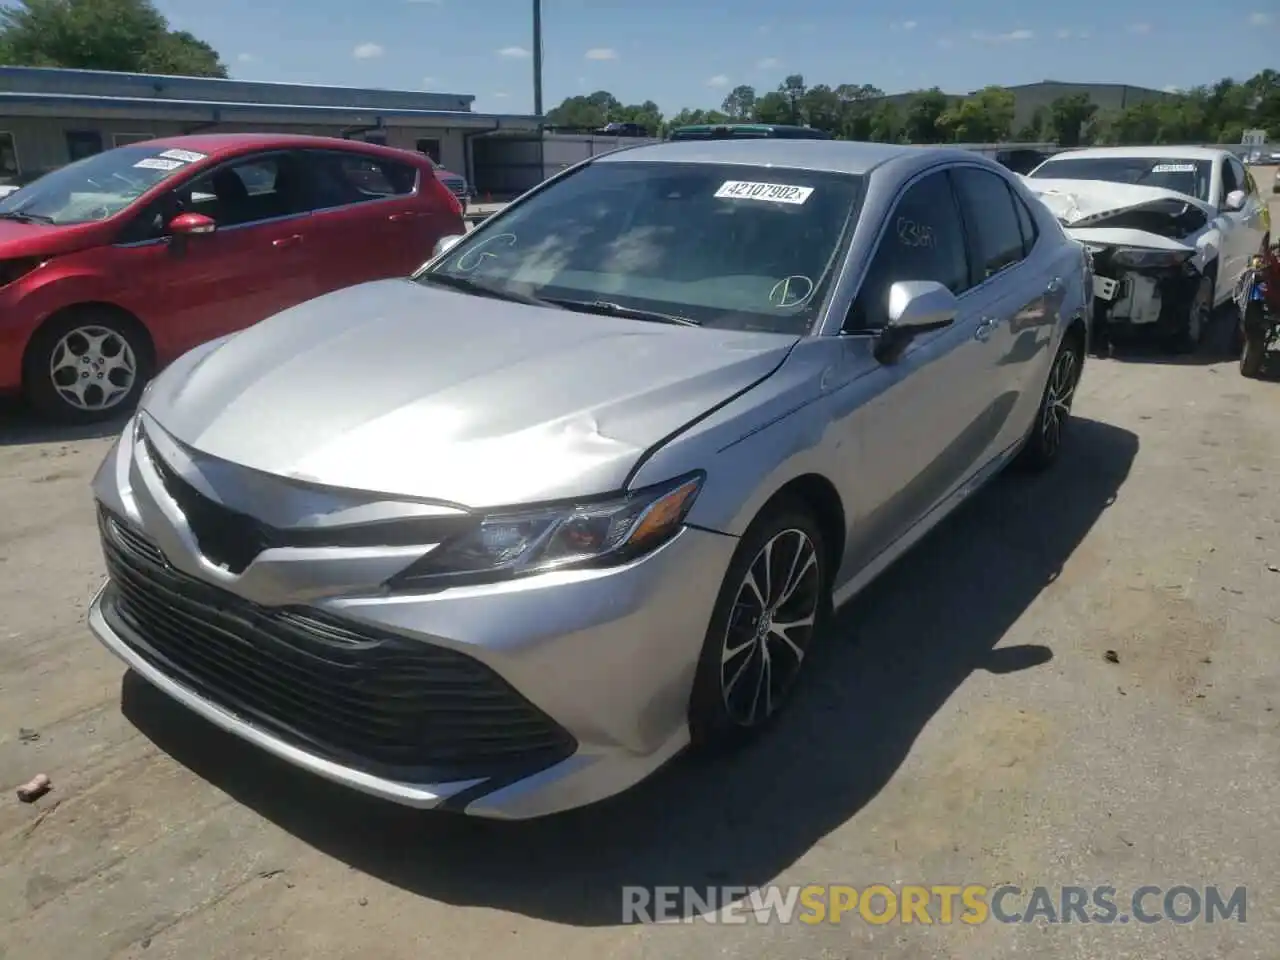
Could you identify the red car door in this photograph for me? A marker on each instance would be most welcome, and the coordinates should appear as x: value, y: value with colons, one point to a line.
x: 373, y: 217
x: 256, y: 263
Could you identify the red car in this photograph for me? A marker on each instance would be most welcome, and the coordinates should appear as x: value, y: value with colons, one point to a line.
x: 114, y: 265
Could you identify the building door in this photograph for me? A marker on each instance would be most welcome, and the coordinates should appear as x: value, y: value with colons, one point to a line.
x: 430, y: 147
x: 83, y: 143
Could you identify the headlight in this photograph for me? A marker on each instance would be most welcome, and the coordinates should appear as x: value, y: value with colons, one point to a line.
x: 1150, y: 259
x: 604, y: 533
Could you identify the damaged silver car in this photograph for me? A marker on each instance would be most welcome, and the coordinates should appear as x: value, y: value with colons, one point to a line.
x: 1170, y: 230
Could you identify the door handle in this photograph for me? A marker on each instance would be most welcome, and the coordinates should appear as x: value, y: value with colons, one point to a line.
x: 400, y: 217
x: 985, y: 328
x: 287, y: 241
x: 1054, y: 288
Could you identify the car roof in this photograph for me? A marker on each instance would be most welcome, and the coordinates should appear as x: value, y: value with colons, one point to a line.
x: 834, y: 156
x: 1155, y: 153
x: 222, y: 144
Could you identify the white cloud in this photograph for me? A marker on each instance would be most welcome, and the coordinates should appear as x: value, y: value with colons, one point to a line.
x: 768, y: 63
x: 904, y: 25
x: 1171, y: 88
x: 513, y: 52
x: 1259, y: 19
x: 367, y: 51
x: 1140, y: 28
x: 602, y: 53
x: 500, y: 95
x: 246, y: 58
x: 1013, y: 36
x: 719, y: 80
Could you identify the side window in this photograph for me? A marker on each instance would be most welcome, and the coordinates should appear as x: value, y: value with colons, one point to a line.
x: 923, y: 240
x: 1250, y: 184
x: 1241, y: 175
x: 1230, y: 180
x: 336, y: 179
x: 1027, y: 223
x: 254, y: 189
x: 989, y: 210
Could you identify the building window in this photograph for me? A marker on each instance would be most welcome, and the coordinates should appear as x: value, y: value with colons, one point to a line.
x: 9, y: 166
x: 83, y: 143
x: 124, y: 139
x: 430, y: 147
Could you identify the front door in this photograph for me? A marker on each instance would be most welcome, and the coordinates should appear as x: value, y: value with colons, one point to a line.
x: 919, y: 426
x: 193, y: 289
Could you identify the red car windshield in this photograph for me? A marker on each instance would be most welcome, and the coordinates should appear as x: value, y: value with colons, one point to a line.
x: 96, y: 187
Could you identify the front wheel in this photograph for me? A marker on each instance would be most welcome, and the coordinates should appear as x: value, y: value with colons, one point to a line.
x: 85, y: 367
x: 772, y: 604
x: 1187, y: 338
x: 1045, y: 441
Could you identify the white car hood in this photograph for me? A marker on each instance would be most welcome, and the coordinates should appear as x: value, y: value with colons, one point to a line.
x: 1077, y: 203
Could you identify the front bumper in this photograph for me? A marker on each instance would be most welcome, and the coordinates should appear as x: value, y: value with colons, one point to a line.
x: 604, y: 657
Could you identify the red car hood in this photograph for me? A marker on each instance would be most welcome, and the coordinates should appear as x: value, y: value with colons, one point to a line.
x: 41, y: 240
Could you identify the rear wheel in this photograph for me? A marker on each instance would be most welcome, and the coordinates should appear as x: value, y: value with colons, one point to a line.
x: 772, y: 604
x: 1252, y: 354
x: 86, y: 366
x: 1045, y: 442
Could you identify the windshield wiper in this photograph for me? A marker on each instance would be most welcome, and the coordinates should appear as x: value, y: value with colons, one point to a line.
x: 610, y: 309
x: 25, y: 217
x: 481, y: 289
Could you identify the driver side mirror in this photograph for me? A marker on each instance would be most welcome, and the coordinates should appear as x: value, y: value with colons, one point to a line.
x: 914, y: 307
x: 1235, y: 201
x: 189, y: 224
x: 444, y: 245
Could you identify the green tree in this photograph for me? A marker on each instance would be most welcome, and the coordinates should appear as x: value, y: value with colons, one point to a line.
x: 924, y: 111
x: 123, y: 35
x: 984, y: 117
x: 793, y: 89
x: 1069, y: 117
x: 689, y: 117
x: 857, y: 103
x: 740, y: 104
x: 584, y: 112
x: 885, y: 124
x: 1035, y: 129
x: 820, y: 107
x: 773, y: 108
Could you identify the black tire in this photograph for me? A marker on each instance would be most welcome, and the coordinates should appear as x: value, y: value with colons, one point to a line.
x: 114, y: 361
x: 1252, y: 354
x: 1189, y: 335
x: 1044, y: 443
x: 718, y: 714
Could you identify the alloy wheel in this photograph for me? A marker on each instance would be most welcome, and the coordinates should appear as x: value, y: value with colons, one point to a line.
x: 93, y: 368
x: 1059, y: 393
x: 770, y: 626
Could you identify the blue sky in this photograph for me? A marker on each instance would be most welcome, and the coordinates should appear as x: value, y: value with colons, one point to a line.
x: 689, y: 53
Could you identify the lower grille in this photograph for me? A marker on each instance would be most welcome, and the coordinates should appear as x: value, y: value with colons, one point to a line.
x: 363, y: 697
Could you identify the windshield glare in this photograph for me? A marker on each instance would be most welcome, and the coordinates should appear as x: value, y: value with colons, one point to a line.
x: 93, y: 188
x: 1191, y: 177
x: 729, y: 246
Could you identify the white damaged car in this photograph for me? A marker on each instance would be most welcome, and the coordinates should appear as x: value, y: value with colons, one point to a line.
x: 1171, y: 230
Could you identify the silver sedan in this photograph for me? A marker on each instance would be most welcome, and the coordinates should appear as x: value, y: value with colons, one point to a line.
x: 506, y: 536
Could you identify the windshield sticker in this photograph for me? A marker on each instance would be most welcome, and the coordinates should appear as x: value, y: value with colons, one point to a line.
x: 1174, y: 168
x: 771, y: 192
x: 186, y: 156
x: 157, y: 163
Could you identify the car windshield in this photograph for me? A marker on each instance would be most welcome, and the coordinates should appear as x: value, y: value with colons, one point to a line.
x: 752, y: 248
x: 1191, y: 177
x: 94, y: 188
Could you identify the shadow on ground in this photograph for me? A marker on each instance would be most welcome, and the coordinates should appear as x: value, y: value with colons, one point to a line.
x: 18, y: 426
x: 741, y: 819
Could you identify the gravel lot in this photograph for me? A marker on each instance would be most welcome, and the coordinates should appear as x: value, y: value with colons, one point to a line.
x: 965, y: 726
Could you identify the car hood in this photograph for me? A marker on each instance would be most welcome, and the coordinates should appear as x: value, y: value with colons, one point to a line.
x: 1078, y: 203
x: 401, y: 389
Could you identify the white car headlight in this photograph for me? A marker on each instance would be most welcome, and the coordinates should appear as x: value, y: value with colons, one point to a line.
x: 604, y: 533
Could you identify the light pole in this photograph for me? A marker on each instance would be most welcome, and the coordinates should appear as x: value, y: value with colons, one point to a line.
x: 537, y: 58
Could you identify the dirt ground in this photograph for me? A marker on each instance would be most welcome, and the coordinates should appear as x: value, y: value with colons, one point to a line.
x: 965, y: 725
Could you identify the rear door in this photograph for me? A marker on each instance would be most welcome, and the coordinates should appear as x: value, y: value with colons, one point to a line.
x: 193, y: 289
x: 371, y: 220
x: 1021, y: 293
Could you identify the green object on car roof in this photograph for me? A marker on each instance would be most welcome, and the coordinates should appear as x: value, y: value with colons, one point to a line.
x: 745, y: 131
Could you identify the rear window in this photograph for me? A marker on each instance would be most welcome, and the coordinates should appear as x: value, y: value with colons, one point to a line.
x: 340, y: 178
x: 1192, y: 177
